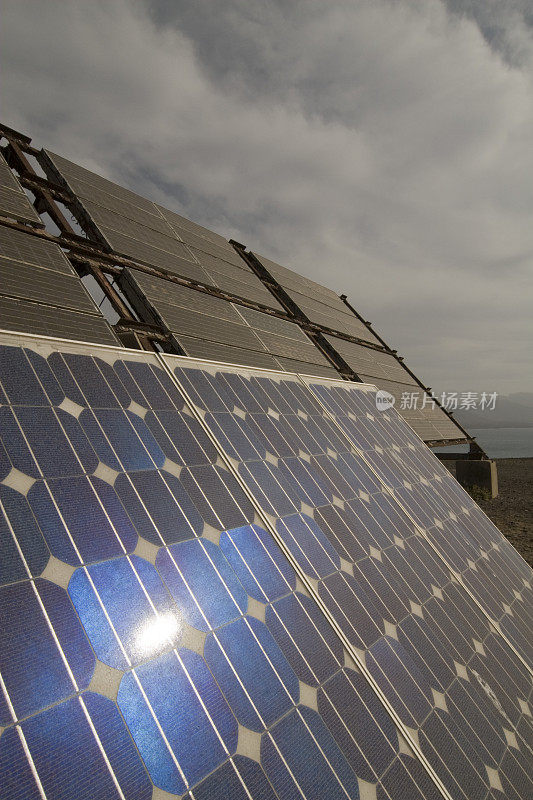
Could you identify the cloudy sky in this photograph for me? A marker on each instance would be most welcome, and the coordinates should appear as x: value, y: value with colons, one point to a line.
x: 383, y: 147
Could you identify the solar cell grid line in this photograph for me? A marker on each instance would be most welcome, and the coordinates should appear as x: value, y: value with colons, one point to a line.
x: 474, y: 550
x: 462, y: 549
x: 20, y: 246
x: 212, y: 393
x: 72, y: 379
x: 119, y: 641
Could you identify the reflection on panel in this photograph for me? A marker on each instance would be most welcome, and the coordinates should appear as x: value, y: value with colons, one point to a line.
x: 154, y: 633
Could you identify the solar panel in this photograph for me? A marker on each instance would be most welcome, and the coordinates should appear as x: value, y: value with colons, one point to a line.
x: 187, y: 225
x: 214, y: 351
x: 428, y: 420
x: 18, y: 279
x: 323, y: 307
x: 87, y: 182
x: 319, y: 304
x: 20, y: 246
x: 151, y: 234
x: 136, y: 224
x: 13, y: 201
x: 471, y: 545
x: 236, y: 279
x: 41, y: 293
x: 211, y: 322
x: 50, y: 320
x: 154, y: 633
x: 375, y: 547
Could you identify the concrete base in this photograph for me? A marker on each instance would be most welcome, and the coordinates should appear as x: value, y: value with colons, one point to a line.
x: 479, y: 478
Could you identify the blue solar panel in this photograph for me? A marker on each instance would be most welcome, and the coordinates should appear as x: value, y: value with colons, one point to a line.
x: 120, y: 602
x: 301, y: 756
x: 81, y: 518
x: 465, y: 538
x: 166, y: 640
x: 375, y: 569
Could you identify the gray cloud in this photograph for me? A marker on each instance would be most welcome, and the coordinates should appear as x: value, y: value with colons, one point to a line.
x: 383, y: 148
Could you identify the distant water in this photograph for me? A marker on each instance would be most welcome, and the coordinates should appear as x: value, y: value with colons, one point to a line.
x: 502, y: 442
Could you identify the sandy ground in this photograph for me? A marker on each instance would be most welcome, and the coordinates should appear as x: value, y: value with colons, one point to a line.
x: 512, y: 510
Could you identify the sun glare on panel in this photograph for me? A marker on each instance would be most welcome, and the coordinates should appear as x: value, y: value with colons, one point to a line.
x: 157, y: 633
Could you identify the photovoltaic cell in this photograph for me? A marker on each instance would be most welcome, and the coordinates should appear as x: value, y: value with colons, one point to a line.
x: 160, y: 602
x: 93, y: 754
x: 19, y: 246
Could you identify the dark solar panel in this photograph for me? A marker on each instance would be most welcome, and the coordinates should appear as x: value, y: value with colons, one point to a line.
x: 199, y: 316
x: 131, y: 221
x: 68, y: 170
x: 25, y: 281
x: 320, y: 304
x: 153, y: 235
x: 13, y: 201
x: 214, y: 351
x: 178, y: 260
x: 187, y: 225
x: 157, y: 290
x: 46, y: 320
x: 41, y: 293
x: 306, y: 367
x: 274, y: 325
x: 429, y: 421
x: 369, y: 361
x: 20, y: 246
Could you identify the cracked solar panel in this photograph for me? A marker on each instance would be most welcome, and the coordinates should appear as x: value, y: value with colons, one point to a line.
x: 338, y: 496
x: 154, y: 635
